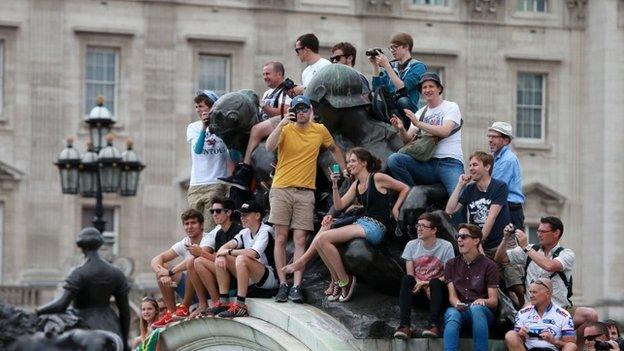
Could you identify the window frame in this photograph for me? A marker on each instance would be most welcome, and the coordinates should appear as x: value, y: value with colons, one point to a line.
x: 544, y: 106
x: 423, y: 3
x: 522, y: 6
x: 228, y: 71
x: 117, y: 77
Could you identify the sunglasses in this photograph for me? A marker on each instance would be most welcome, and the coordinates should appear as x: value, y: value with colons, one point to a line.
x: 540, y: 282
x: 297, y: 49
x: 336, y: 58
x: 464, y: 236
x: 591, y: 337
x: 301, y: 109
x: 216, y: 210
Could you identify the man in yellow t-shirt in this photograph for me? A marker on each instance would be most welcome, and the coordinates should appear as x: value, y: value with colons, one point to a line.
x: 298, y: 140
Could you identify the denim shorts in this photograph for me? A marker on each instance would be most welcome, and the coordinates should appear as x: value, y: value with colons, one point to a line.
x: 373, y: 230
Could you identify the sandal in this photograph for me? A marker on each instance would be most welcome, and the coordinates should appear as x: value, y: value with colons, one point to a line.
x: 330, y: 289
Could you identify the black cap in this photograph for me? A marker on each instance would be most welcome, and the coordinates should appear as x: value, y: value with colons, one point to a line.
x: 432, y: 76
x: 251, y: 206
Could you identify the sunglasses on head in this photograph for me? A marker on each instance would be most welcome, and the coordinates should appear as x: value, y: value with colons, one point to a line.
x: 540, y: 282
x: 149, y: 299
x: 591, y: 337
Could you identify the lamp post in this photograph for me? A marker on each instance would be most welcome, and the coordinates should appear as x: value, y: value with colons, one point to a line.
x: 102, y: 168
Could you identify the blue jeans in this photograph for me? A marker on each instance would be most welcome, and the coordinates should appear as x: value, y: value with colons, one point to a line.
x: 437, y: 170
x: 479, y: 317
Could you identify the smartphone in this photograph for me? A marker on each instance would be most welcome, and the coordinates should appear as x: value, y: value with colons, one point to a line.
x: 534, y: 334
x: 461, y: 306
x: 292, y: 116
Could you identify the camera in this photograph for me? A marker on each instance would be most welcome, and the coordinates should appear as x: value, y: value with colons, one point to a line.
x: 602, y: 345
x: 288, y: 84
x: 373, y: 52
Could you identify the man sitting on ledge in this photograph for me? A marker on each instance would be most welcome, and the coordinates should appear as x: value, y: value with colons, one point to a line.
x: 542, y: 325
x: 472, y: 280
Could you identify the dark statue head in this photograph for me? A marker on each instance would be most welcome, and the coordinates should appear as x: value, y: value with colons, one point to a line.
x: 89, y: 239
x: 340, y: 85
x: 234, y: 114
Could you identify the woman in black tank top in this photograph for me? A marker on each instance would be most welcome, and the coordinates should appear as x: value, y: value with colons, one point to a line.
x: 371, y: 189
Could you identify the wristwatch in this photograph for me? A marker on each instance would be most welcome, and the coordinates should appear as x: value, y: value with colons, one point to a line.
x: 171, y: 272
x: 527, y: 248
x: 230, y: 252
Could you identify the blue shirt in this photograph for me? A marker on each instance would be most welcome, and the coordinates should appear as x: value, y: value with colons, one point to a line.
x: 410, y: 77
x: 507, y: 169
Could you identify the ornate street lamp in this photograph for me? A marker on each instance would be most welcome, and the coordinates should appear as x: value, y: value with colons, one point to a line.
x: 131, y: 166
x: 100, y: 121
x: 68, y: 163
x: 102, y: 168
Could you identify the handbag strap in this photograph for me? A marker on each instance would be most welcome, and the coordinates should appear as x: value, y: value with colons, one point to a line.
x: 455, y: 130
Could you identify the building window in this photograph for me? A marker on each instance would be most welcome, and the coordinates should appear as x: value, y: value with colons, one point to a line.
x: 214, y: 73
x: 111, y: 228
x: 440, y: 71
x: 430, y: 2
x: 533, y: 5
x: 1, y: 76
x: 101, y: 77
x: 530, y: 105
x: 531, y: 232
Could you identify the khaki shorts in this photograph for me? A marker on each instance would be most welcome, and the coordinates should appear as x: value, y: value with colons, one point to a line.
x: 293, y: 207
x: 200, y: 198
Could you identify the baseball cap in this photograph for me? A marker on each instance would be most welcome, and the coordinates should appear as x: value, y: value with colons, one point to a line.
x: 209, y: 94
x: 249, y: 207
x: 301, y: 100
x: 503, y: 128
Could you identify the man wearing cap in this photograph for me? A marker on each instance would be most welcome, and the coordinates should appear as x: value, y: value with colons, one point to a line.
x: 209, y: 159
x: 472, y: 281
x: 298, y: 141
x: 439, y: 118
x: 542, y: 325
x: 507, y: 169
x: 246, y: 257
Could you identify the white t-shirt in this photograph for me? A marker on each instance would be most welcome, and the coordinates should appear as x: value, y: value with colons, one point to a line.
x: 212, y: 162
x: 209, y: 239
x: 449, y: 146
x: 310, y: 71
x: 555, y: 320
x: 180, y: 246
x: 258, y: 243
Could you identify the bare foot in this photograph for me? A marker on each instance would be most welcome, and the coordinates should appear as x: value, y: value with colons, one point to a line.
x: 291, y: 268
x: 330, y: 289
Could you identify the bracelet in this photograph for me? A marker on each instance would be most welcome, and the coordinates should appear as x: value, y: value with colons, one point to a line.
x: 230, y: 252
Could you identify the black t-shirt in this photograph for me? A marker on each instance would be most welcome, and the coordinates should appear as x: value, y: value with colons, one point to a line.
x: 477, y: 204
x: 223, y: 237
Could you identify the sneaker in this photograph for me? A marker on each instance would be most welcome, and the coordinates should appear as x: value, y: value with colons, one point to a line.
x: 403, y: 333
x: 241, y: 177
x: 234, y: 310
x: 215, y: 310
x: 162, y: 322
x: 347, y: 290
x: 282, y: 293
x: 181, y: 312
x: 295, y: 294
x: 431, y: 332
x: 335, y: 294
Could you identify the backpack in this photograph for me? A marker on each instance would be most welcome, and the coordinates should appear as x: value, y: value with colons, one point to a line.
x: 568, y: 283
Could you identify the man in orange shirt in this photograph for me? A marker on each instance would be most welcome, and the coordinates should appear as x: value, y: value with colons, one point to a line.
x: 297, y: 140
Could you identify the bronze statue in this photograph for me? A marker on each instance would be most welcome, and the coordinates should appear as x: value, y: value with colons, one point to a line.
x: 90, y: 287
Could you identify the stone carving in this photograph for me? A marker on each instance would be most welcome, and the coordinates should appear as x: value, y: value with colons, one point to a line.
x: 578, y: 8
x: 484, y: 5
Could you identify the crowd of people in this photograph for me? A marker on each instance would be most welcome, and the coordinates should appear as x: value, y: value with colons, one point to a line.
x: 224, y: 261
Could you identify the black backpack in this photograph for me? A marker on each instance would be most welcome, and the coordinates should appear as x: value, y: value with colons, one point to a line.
x: 568, y: 283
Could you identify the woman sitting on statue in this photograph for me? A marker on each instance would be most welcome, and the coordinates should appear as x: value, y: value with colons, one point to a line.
x: 371, y: 190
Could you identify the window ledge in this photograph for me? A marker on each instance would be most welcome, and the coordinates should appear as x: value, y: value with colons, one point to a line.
x: 528, y: 144
x: 534, y: 15
x: 430, y: 8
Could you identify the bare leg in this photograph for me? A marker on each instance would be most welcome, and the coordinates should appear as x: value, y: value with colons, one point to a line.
x: 281, y: 238
x: 300, y: 263
x: 258, y: 133
x: 299, y: 237
x: 168, y: 293
x: 247, y: 267
x: 206, y: 272
x: 514, y: 341
x: 327, y: 246
x: 199, y: 287
x: 223, y: 274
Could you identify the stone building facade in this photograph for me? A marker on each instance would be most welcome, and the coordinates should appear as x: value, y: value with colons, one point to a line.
x: 553, y: 68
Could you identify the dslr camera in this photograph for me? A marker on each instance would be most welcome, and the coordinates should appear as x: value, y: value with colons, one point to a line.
x: 288, y: 84
x: 602, y: 345
x: 373, y: 52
